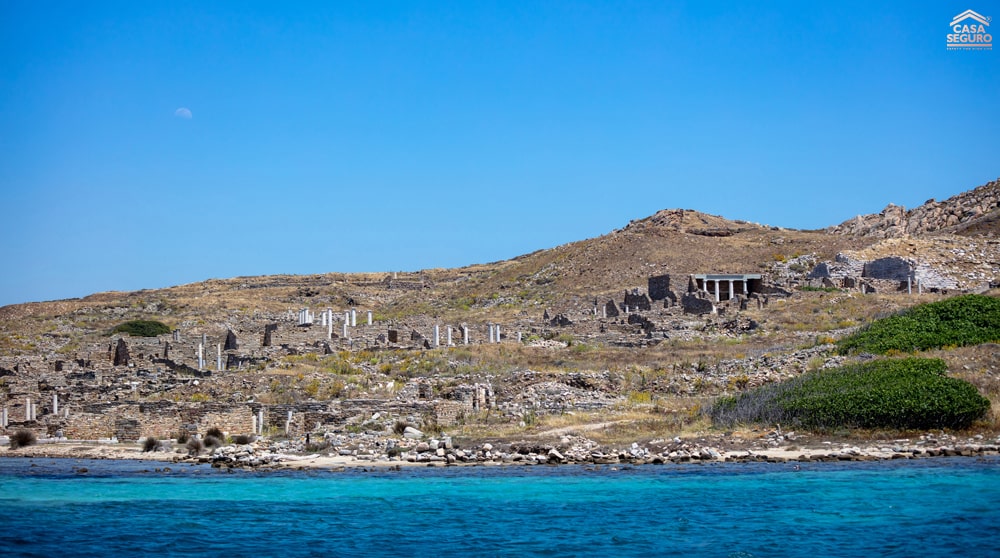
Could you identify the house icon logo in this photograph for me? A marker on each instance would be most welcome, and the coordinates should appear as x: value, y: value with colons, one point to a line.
x: 970, y: 31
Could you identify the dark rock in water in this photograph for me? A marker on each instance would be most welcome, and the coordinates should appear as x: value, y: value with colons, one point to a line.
x: 120, y: 357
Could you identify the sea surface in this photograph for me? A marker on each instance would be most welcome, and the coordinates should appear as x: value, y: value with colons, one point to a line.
x: 931, y: 507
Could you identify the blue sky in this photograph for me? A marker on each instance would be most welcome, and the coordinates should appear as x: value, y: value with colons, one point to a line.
x: 379, y: 136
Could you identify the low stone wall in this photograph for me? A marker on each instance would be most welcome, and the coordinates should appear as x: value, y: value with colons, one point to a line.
x: 165, y: 419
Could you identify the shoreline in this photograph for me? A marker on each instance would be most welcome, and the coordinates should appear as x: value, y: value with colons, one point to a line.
x: 257, y: 458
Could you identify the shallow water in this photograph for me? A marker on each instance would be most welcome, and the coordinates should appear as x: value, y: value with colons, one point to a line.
x: 931, y: 507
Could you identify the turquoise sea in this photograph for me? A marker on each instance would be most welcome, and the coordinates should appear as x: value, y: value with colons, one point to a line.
x: 932, y: 507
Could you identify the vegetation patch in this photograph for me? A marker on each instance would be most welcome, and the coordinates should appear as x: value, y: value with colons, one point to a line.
x: 142, y: 328
x: 22, y: 439
x: 909, y: 393
x: 959, y: 321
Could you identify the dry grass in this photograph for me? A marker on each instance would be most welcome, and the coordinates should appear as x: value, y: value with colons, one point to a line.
x: 827, y: 312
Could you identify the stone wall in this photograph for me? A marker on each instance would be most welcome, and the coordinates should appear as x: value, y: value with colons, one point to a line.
x: 162, y: 419
x: 659, y: 287
x: 636, y: 300
x: 892, y: 268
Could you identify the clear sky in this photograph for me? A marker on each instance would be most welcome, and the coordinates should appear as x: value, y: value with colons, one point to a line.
x: 149, y: 144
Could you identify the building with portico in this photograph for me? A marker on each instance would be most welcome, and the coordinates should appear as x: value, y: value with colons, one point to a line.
x: 725, y: 286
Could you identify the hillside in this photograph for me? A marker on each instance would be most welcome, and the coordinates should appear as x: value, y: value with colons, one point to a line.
x: 610, y: 330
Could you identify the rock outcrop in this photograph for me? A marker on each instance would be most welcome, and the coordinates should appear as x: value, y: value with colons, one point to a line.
x: 974, y: 211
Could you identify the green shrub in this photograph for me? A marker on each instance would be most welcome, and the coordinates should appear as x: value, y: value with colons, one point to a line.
x: 811, y: 289
x: 142, y: 328
x: 959, y: 321
x: 891, y: 393
x: 149, y: 444
x: 22, y: 439
x: 243, y: 439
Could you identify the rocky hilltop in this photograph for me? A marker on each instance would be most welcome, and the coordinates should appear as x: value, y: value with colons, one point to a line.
x: 975, y: 212
x: 598, y: 347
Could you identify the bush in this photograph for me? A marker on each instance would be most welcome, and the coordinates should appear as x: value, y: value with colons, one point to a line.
x: 22, y: 439
x: 211, y: 442
x: 142, y: 328
x: 183, y: 437
x: 315, y: 447
x: 194, y: 446
x: 906, y: 394
x: 399, y: 427
x: 149, y: 444
x: 215, y: 433
x: 959, y: 321
x: 242, y: 439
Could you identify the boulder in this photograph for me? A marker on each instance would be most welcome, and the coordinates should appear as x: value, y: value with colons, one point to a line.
x: 412, y: 433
